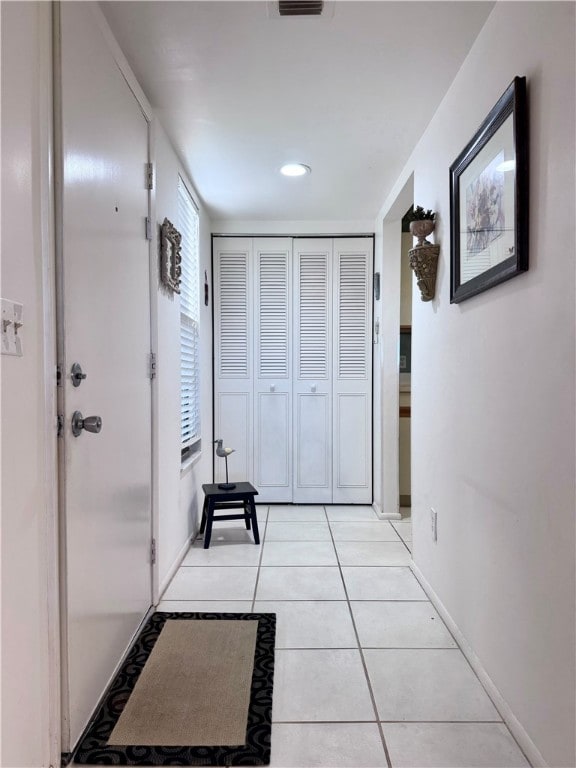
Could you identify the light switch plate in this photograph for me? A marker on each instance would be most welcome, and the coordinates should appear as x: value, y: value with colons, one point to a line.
x: 12, y: 325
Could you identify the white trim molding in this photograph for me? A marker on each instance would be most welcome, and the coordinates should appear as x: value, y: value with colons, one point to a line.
x: 517, y: 730
x: 174, y: 567
x: 386, y: 515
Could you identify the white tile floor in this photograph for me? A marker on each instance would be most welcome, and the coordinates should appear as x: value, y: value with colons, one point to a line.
x: 366, y: 674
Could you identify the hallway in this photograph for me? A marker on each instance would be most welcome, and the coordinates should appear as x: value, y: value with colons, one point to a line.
x: 363, y: 660
x: 216, y: 104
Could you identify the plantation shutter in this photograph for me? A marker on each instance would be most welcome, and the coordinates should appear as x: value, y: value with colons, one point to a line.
x: 189, y: 320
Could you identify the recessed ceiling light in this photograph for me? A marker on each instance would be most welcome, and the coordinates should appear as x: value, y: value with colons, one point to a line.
x: 295, y: 169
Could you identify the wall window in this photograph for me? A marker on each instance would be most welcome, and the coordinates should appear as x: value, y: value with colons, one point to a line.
x: 189, y: 322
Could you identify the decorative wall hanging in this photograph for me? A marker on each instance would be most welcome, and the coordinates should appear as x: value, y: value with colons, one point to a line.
x: 170, y: 257
x: 489, y: 199
x: 424, y: 256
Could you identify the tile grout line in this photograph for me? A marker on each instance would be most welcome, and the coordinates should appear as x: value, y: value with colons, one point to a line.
x: 211, y: 565
x: 388, y: 722
x: 366, y: 648
x: 262, y: 540
x: 501, y: 720
x: 361, y: 652
x: 359, y: 646
x: 283, y: 599
x: 300, y: 565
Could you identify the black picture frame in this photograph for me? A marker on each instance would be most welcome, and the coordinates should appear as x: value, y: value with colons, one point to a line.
x: 489, y: 199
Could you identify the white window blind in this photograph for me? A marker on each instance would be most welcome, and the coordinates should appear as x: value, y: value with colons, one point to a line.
x: 189, y: 320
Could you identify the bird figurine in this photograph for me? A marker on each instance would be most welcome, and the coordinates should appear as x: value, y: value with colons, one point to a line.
x: 224, y: 452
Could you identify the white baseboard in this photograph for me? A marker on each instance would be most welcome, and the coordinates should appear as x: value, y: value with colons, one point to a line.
x: 386, y: 515
x: 174, y: 567
x: 516, y: 729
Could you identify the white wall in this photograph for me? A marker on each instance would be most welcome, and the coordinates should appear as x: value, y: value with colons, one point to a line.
x: 27, y: 420
x: 493, y: 392
x: 300, y: 227
x: 179, y: 492
x: 407, y: 280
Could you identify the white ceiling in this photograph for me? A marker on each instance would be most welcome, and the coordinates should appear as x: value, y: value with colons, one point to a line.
x: 240, y: 91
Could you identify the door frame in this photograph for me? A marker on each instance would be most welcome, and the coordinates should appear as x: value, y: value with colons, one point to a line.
x: 385, y: 371
x: 49, y: 534
x: 373, y: 237
x: 51, y: 183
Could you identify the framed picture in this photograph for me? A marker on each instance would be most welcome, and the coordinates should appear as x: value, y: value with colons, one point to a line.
x: 489, y: 199
x: 170, y: 257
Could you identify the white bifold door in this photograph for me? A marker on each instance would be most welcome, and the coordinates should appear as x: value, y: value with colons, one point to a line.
x: 293, y: 366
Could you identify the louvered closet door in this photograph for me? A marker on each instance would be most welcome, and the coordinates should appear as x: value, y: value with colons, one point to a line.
x: 352, y: 371
x: 233, y: 342
x: 273, y: 369
x: 312, y: 383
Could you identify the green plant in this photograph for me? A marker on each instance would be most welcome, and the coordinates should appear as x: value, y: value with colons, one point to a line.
x: 419, y: 214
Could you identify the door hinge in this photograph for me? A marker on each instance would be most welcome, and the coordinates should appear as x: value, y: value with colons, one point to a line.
x: 153, y: 551
x: 148, y: 228
x: 60, y: 427
x: 149, y: 176
x: 152, y: 365
x: 58, y: 375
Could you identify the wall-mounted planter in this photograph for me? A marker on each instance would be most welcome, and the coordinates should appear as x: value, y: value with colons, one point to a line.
x: 424, y: 258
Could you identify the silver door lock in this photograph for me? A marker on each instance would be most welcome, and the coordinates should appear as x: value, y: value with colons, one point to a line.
x: 76, y: 375
x: 90, y: 423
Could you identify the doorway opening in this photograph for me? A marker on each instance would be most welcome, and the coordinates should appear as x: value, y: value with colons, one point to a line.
x: 404, y: 372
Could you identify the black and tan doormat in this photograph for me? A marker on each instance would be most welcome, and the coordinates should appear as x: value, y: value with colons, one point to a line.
x: 195, y: 689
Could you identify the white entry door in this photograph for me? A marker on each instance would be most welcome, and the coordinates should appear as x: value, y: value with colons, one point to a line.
x: 105, y: 327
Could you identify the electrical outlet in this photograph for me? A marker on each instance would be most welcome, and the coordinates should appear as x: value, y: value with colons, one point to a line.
x: 434, y: 522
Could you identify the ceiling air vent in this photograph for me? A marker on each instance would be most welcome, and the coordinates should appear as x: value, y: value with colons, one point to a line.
x: 300, y: 7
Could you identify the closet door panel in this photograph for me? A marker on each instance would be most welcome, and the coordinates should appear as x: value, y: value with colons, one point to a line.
x: 352, y: 372
x: 313, y: 370
x: 234, y: 425
x: 233, y: 350
x: 313, y: 455
x: 352, y: 460
x: 273, y: 369
x: 273, y: 455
